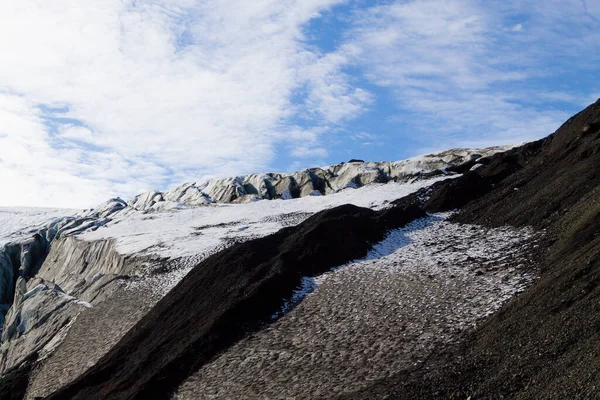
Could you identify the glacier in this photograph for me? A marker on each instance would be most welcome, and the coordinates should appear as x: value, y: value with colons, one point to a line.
x: 57, y: 264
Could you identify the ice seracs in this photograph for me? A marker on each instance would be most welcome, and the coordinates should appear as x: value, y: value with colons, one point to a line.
x: 309, y: 182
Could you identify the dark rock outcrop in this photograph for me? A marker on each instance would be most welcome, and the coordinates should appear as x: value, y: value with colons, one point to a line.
x: 14, y: 383
x: 545, y: 343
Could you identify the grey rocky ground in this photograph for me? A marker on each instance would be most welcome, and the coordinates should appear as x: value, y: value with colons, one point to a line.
x: 418, y: 290
x: 91, y: 336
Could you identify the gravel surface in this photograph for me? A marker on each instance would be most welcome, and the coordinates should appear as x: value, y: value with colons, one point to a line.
x: 417, y: 290
x: 94, y: 332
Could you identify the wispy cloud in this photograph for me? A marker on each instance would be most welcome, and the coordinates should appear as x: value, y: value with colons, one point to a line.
x: 109, y: 98
x: 467, y: 70
x: 115, y: 96
x: 309, y: 152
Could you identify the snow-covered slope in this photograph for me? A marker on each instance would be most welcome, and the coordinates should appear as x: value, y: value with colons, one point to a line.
x: 417, y: 290
x: 18, y: 223
x: 157, y: 249
x: 94, y: 253
x: 192, y: 234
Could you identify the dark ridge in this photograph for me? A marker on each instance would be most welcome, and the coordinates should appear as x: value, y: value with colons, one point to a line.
x: 227, y: 296
x: 452, y: 194
x: 466, y: 166
x: 557, y: 178
x: 545, y: 344
x: 474, y: 184
x: 13, y: 384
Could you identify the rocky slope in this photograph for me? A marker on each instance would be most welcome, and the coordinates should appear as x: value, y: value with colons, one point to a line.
x: 416, y: 291
x: 314, y: 297
x: 61, y: 266
x: 544, y: 344
x: 174, y: 242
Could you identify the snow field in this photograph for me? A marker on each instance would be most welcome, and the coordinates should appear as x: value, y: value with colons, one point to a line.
x: 20, y: 223
x: 181, y: 239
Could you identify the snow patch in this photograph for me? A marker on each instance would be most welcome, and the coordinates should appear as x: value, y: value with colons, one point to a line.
x: 20, y: 223
x: 479, y: 257
x: 307, y: 286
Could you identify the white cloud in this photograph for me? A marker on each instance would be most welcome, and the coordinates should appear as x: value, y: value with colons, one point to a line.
x: 332, y: 97
x: 309, y: 152
x: 168, y: 90
x: 367, y: 139
x: 76, y: 132
x: 364, y: 136
x: 517, y: 28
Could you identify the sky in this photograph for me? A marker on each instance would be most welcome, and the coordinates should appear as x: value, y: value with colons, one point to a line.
x: 110, y: 98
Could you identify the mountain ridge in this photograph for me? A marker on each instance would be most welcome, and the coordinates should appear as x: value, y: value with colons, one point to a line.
x: 520, y: 351
x: 544, y: 343
x: 311, y: 181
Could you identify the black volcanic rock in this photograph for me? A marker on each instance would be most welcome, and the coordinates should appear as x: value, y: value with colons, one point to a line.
x: 14, y: 383
x: 474, y: 184
x: 591, y: 127
x: 546, y: 343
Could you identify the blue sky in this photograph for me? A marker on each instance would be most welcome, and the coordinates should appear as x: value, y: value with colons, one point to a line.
x: 116, y: 97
